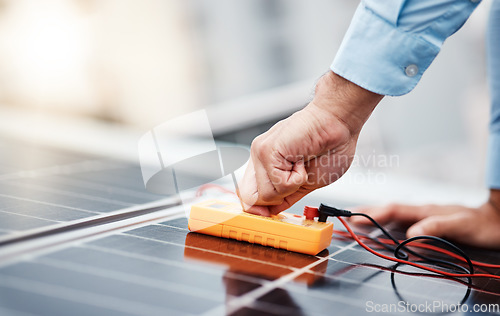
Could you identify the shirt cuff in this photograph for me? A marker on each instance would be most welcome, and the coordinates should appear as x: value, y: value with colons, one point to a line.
x: 381, y: 58
x: 493, y: 164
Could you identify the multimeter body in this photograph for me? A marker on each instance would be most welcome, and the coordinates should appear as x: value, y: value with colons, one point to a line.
x: 285, y: 231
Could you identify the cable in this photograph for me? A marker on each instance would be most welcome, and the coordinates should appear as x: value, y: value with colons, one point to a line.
x: 400, y: 297
x: 400, y: 256
x: 441, y: 240
x: 383, y: 242
x: 454, y: 275
x: 324, y: 211
x: 401, y: 245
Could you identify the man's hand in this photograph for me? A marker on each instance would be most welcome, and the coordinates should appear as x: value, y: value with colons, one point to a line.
x: 472, y: 226
x: 310, y: 149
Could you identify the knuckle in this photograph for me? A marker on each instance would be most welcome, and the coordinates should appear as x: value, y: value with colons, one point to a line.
x: 260, y: 145
x: 257, y: 142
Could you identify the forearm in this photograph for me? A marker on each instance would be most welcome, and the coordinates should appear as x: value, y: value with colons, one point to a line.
x: 348, y: 102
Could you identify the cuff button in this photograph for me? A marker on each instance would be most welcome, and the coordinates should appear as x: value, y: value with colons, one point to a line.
x: 411, y: 70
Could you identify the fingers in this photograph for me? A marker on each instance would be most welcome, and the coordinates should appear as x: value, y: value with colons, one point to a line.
x: 256, y: 187
x: 249, y: 195
x: 403, y: 214
x: 276, y: 209
x: 446, y: 221
x: 258, y: 210
x: 278, y: 171
x: 270, y: 176
x: 476, y: 227
x: 277, y: 176
x: 387, y: 213
x: 455, y: 227
x: 248, y: 192
x: 288, y: 201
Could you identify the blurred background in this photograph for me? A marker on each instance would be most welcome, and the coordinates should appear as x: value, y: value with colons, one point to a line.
x: 115, y: 66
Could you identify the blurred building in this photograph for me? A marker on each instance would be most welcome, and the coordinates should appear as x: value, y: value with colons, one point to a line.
x: 254, y: 45
x: 125, y: 61
x: 140, y: 63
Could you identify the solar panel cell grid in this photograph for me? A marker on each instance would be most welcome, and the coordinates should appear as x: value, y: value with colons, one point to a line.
x: 41, y: 187
x: 163, y: 269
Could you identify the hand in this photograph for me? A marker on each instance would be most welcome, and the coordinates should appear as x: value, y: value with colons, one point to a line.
x: 472, y: 226
x: 310, y: 149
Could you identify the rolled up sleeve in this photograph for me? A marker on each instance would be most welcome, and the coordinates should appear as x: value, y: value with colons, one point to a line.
x: 391, y: 43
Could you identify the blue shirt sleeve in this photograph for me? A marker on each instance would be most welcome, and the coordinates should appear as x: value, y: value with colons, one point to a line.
x: 493, y: 61
x: 390, y: 43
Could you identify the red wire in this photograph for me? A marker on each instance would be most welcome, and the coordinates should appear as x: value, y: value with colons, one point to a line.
x: 378, y: 254
x: 204, y: 187
x: 427, y: 246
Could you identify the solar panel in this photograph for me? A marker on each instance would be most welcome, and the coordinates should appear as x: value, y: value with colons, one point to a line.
x: 45, y: 187
x: 159, y: 267
x: 162, y: 268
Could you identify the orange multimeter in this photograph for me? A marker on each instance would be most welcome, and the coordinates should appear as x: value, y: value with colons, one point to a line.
x: 286, y: 231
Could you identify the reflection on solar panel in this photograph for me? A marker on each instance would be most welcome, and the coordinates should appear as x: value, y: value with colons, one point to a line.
x: 160, y: 268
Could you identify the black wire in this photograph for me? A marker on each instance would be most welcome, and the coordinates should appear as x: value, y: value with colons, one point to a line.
x: 396, y: 251
x: 400, y: 246
x: 456, y: 249
x: 325, y: 211
x: 404, y: 256
x: 400, y: 297
x: 374, y: 240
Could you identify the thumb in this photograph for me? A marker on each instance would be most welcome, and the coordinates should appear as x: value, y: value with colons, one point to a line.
x: 446, y: 226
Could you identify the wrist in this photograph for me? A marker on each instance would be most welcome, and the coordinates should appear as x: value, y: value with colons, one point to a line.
x: 348, y: 102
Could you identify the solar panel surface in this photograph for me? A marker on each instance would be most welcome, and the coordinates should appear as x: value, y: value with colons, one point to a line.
x: 161, y: 268
x: 41, y: 187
